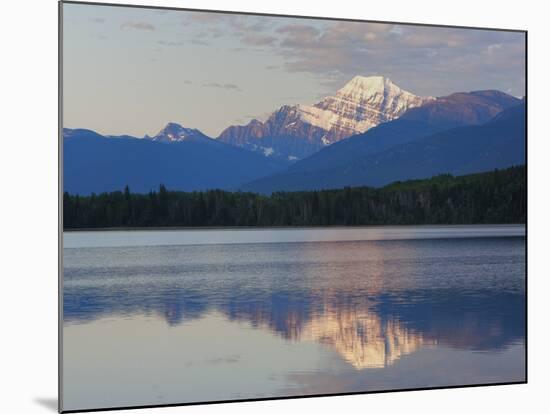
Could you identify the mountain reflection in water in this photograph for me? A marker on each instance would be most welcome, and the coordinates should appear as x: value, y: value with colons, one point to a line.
x: 372, y: 302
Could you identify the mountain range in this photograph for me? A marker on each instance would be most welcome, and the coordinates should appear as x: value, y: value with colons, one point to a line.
x: 498, y: 143
x: 173, y: 132
x: 371, y: 132
x: 296, y: 131
x: 93, y: 163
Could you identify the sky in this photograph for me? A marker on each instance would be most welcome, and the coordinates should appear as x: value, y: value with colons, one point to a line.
x: 133, y: 70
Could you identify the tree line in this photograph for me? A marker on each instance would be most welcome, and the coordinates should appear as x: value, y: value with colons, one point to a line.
x: 493, y: 197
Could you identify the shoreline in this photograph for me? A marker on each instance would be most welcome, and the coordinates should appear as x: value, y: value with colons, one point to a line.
x: 256, y: 236
x: 273, y: 228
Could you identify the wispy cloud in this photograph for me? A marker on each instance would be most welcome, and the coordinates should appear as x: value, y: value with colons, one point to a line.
x: 493, y: 48
x: 251, y: 30
x: 228, y: 86
x: 138, y: 26
x: 170, y: 43
x: 246, y: 119
x: 199, y: 42
x: 298, y: 34
x: 206, y: 17
x: 340, y: 50
x: 335, y: 51
x: 258, y: 39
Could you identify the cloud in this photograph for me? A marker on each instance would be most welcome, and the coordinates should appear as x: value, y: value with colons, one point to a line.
x: 203, y: 17
x: 215, y: 33
x: 199, y: 42
x: 246, y: 119
x: 249, y: 24
x: 241, y: 120
x: 425, y: 60
x: 229, y: 86
x: 299, y: 30
x: 298, y: 35
x: 493, y: 48
x: 138, y: 26
x: 251, y: 30
x: 422, y: 59
x: 258, y: 39
x: 170, y: 43
x: 229, y: 359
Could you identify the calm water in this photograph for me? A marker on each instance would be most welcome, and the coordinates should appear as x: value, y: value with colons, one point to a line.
x: 166, y: 317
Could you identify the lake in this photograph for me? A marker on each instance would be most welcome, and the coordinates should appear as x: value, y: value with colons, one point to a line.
x: 179, y: 316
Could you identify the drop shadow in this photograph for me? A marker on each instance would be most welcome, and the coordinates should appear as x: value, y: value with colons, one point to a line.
x: 49, y: 403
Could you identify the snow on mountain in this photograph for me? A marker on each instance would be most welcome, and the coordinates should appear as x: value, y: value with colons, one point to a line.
x: 173, y: 132
x: 296, y: 131
x: 363, y: 103
x: 282, y: 136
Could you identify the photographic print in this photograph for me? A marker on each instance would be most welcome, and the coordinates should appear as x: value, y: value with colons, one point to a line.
x: 262, y: 206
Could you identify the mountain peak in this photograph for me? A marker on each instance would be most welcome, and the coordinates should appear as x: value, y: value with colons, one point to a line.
x: 298, y: 130
x: 174, y: 132
x: 462, y: 108
x: 362, y: 103
x: 173, y: 125
x: 368, y: 83
x: 364, y: 87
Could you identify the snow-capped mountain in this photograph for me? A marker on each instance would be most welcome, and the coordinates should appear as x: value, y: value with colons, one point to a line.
x: 294, y: 132
x: 173, y: 132
x: 363, y: 103
x: 406, y: 149
x: 284, y: 135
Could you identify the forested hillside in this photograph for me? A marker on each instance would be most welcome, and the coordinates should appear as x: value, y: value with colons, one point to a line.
x: 493, y: 197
